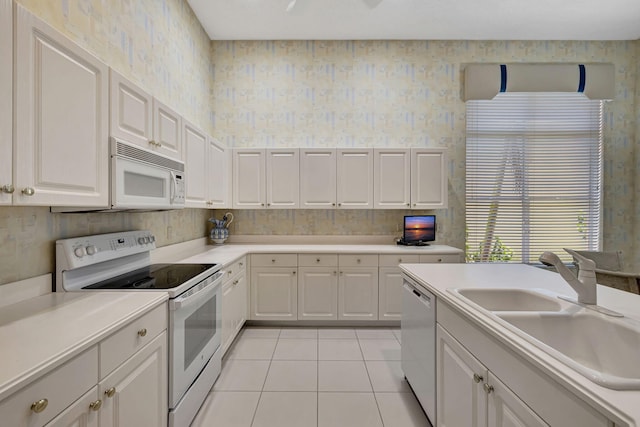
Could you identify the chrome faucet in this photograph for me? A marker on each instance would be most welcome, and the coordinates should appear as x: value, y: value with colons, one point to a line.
x: 585, y: 283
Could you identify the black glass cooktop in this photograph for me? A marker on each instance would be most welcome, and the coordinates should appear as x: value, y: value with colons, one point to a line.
x: 153, y: 277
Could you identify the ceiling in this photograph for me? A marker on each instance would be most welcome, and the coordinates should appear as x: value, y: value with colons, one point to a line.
x: 419, y: 19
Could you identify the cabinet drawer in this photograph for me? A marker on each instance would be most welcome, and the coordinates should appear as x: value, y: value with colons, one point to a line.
x: 60, y: 388
x: 394, y: 260
x: 449, y: 258
x: 318, y: 260
x: 123, y: 344
x: 274, y: 260
x: 235, y: 267
x: 358, y: 260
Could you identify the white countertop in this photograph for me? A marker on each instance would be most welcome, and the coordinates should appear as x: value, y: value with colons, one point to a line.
x: 623, y: 407
x: 40, y: 334
x: 226, y: 254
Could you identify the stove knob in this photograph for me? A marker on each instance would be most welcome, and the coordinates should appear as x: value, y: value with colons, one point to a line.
x: 91, y: 250
x: 141, y: 240
x: 79, y: 252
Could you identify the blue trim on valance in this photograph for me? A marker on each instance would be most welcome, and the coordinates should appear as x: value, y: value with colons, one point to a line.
x: 583, y: 78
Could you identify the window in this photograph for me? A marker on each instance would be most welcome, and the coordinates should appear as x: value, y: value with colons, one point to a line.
x: 534, y: 175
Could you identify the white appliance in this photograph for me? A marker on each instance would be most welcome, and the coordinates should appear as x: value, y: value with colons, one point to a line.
x: 418, y: 344
x: 142, y: 179
x: 121, y: 262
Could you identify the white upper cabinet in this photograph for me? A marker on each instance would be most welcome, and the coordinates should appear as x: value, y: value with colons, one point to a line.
x: 137, y: 117
x: 195, y: 143
x: 167, y: 130
x: 219, y: 175
x: 428, y: 178
x: 61, y: 119
x: 6, y: 97
x: 392, y: 178
x: 248, y: 178
x: 283, y: 174
x: 355, y: 178
x: 317, y: 178
x: 131, y: 112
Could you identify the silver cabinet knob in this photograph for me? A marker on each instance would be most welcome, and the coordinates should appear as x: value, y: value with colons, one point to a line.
x: 95, y: 406
x: 110, y: 392
x: 142, y: 332
x: 477, y: 378
x: 408, y: 204
x: 8, y: 188
x: 268, y: 204
x: 488, y: 388
x: 28, y: 191
x: 261, y: 204
x: 333, y: 204
x: 318, y: 260
x: 339, y: 204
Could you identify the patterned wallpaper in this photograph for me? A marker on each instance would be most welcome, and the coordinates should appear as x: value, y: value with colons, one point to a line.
x: 399, y: 94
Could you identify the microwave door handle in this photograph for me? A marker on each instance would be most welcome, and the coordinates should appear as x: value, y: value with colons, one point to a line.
x: 172, y: 188
x: 200, y: 295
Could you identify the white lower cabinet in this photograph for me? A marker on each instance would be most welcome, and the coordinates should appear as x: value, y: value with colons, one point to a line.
x: 389, y: 293
x: 358, y: 293
x: 318, y: 293
x: 135, y: 394
x: 121, y: 381
x: 274, y: 293
x: 234, y: 303
x: 470, y: 395
x: 482, y: 383
x: 80, y: 413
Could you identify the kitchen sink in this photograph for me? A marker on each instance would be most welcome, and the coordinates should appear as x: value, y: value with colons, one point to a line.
x: 510, y: 299
x: 602, y: 348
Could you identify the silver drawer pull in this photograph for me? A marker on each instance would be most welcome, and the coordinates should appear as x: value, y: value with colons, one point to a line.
x: 110, y: 392
x: 8, y: 188
x: 142, y: 332
x: 28, y: 191
x: 39, y: 405
x: 488, y: 388
x: 477, y: 378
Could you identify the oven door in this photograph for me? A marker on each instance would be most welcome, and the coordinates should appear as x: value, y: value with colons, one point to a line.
x: 195, y: 328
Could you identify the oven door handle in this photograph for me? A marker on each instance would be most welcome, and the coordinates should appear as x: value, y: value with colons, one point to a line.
x: 198, y: 293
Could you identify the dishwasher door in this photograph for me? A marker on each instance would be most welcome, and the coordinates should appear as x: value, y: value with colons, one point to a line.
x: 418, y: 346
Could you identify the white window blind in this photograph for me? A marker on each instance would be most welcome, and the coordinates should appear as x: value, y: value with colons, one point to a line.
x: 534, y: 176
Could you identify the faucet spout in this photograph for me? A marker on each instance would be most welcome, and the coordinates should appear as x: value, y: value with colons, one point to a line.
x: 585, y: 283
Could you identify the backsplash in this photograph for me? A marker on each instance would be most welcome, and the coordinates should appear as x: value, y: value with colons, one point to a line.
x: 28, y: 234
x: 402, y: 94
x: 343, y: 222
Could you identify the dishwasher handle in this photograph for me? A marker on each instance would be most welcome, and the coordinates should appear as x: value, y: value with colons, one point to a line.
x: 423, y: 298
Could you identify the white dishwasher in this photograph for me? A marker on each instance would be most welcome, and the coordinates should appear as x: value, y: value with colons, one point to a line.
x: 418, y: 347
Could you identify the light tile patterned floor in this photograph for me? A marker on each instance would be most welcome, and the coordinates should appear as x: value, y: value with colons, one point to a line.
x: 312, y: 377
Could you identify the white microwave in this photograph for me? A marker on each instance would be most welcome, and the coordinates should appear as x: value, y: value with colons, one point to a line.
x: 142, y: 179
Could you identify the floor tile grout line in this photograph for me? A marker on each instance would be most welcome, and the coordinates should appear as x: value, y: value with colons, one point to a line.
x: 366, y: 367
x: 255, y: 411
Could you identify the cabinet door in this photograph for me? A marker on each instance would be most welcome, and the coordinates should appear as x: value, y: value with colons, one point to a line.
x: 283, y: 178
x: 167, y: 130
x: 81, y: 413
x: 317, y: 178
x: 428, y: 178
x: 390, y: 293
x: 228, y: 313
x: 61, y: 119
x: 391, y: 178
x: 195, y: 144
x: 507, y: 410
x: 460, y: 378
x: 6, y: 97
x: 248, y: 179
x: 131, y: 112
x: 135, y: 394
x: 274, y: 293
x: 318, y: 293
x: 355, y: 178
x: 241, y: 302
x: 358, y: 293
x: 219, y: 175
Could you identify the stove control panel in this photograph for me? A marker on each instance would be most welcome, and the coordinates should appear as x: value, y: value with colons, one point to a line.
x: 88, y: 250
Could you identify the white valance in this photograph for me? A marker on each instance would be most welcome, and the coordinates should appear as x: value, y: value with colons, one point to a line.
x: 485, y: 81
